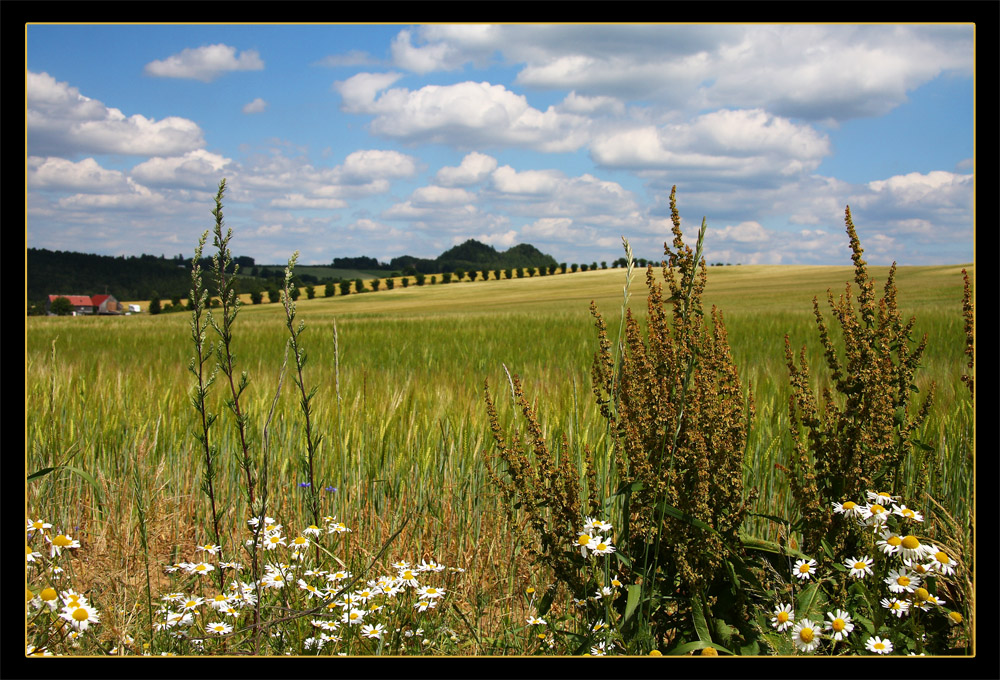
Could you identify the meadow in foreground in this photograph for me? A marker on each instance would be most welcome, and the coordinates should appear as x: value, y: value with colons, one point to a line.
x: 363, y: 498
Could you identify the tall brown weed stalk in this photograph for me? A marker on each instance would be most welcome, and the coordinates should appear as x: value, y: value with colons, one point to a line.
x: 544, y: 485
x: 679, y: 420
x: 860, y: 439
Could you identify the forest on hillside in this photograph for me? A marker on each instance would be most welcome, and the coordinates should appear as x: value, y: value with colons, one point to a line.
x: 144, y: 276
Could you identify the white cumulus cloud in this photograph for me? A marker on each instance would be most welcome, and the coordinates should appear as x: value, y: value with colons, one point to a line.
x: 474, y: 168
x: 258, y: 105
x: 63, y: 122
x: 205, y: 63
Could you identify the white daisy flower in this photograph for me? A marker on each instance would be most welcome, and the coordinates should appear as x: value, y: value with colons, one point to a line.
x: 804, y: 569
x: 907, y: 513
x: 912, y: 549
x: 902, y: 581
x: 784, y: 618
x: 806, y: 635
x: 839, y: 625
x: 848, y: 509
x: 878, y: 645
x: 860, y: 567
x: 940, y: 560
x: 890, y: 542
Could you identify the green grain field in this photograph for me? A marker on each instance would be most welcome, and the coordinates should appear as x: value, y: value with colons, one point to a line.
x: 400, y: 404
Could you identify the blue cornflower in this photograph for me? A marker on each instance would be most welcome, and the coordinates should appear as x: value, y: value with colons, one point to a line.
x: 304, y: 485
x: 331, y: 489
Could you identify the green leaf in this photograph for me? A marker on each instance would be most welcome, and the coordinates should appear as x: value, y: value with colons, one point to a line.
x: 546, y: 602
x: 632, y: 601
x: 700, y: 621
x: 809, y: 602
x: 41, y: 473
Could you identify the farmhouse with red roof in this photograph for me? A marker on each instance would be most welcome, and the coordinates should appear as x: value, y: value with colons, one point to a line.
x: 88, y: 304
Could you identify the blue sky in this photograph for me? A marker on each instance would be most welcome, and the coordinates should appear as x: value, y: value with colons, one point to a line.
x: 344, y: 140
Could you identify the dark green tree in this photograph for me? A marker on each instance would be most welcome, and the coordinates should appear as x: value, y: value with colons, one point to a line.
x: 272, y: 295
x: 345, y: 287
x: 154, y: 304
x: 61, y: 307
x: 310, y: 292
x: 256, y: 297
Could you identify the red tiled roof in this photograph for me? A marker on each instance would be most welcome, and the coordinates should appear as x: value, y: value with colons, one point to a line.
x: 75, y: 300
x: 96, y: 300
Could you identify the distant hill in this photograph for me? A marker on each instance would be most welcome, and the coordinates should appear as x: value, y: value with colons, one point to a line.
x: 468, y: 256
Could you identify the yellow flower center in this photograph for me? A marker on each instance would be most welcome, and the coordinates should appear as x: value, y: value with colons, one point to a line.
x: 709, y: 651
x: 911, y: 543
x: 583, y: 540
x: 806, y: 634
x: 782, y: 617
x: 849, y: 505
x: 838, y: 625
x: 908, y: 513
x: 879, y: 645
x: 942, y: 557
x: 37, y: 525
x: 28, y: 595
x: 877, y: 509
x: 48, y: 594
x: 61, y: 541
x: 407, y: 575
x: 530, y: 591
x: 804, y: 569
x: 860, y: 565
x: 299, y: 540
x: 200, y: 567
x: 655, y: 652
x: 921, y: 594
x: 894, y: 540
x: 220, y: 598
x: 602, y: 546
x: 81, y: 614
x: 955, y: 616
x: 903, y: 581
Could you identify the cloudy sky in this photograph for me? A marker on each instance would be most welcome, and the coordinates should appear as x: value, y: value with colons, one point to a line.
x: 393, y: 139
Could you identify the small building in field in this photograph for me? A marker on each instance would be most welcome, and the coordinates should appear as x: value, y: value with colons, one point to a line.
x: 88, y: 304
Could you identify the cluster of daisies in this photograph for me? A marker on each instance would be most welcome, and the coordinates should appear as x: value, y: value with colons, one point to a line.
x: 69, y: 614
x: 893, y: 524
x: 333, y: 597
x: 592, y: 541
